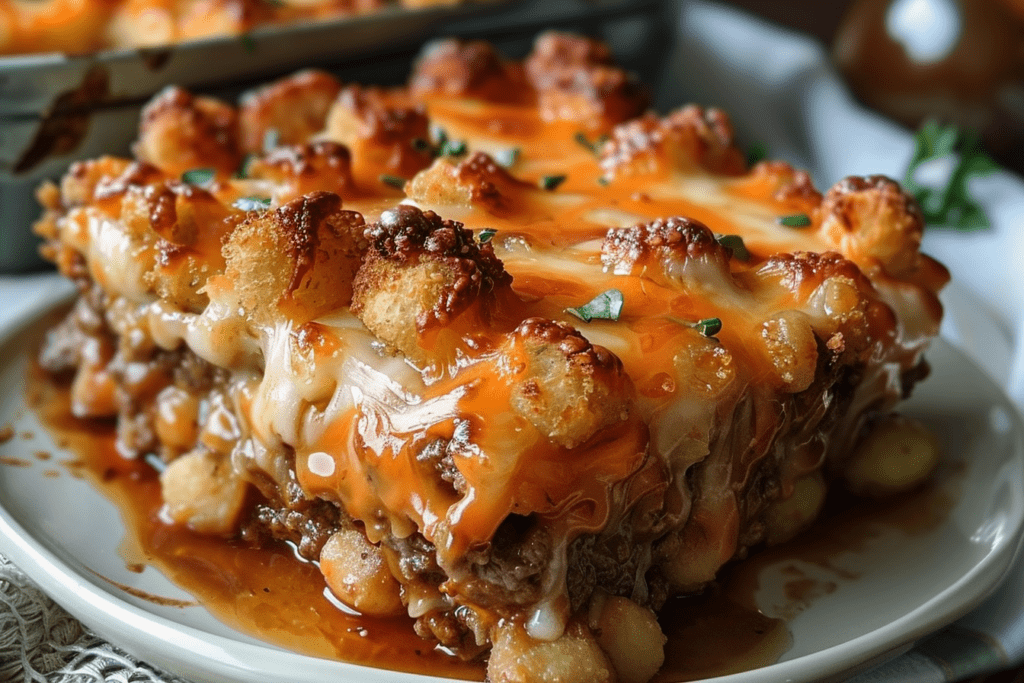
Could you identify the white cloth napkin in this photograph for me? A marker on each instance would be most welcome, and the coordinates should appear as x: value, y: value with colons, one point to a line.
x: 781, y: 89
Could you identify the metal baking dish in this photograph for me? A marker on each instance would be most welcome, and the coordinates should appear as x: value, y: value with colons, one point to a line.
x: 56, y: 109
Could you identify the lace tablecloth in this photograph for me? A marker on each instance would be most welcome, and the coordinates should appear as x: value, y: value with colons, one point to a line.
x: 41, y: 643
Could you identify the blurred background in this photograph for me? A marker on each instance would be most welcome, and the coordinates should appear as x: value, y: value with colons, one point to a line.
x: 958, y: 61
x: 961, y: 61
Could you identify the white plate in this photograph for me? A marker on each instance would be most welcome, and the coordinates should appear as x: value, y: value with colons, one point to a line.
x: 63, y: 534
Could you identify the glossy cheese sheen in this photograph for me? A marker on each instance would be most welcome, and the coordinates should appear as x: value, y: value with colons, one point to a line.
x: 266, y: 592
x: 389, y: 317
x: 565, y: 276
x: 375, y: 446
x: 710, y: 635
x: 552, y: 274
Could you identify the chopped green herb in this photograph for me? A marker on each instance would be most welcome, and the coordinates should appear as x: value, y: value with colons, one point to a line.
x: 593, y: 145
x: 736, y: 245
x: 248, y: 42
x: 796, y: 220
x: 198, y: 176
x: 275, y: 3
x: 243, y: 171
x: 603, y: 181
x: 271, y: 138
x: 950, y: 205
x: 393, y: 181
x: 604, y: 306
x: 709, y: 327
x: 486, y: 234
x: 507, y: 157
x: 444, y: 146
x: 551, y: 182
x: 252, y: 203
x: 451, y: 148
x: 757, y: 151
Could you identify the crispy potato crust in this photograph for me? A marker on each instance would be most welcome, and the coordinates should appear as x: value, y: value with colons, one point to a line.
x: 565, y: 386
x: 295, y: 262
x: 467, y: 69
x: 687, y: 139
x: 501, y: 351
x: 577, y: 80
x: 290, y: 110
x: 179, y: 132
x: 421, y: 273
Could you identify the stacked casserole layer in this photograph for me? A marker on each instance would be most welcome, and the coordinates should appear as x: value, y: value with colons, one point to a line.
x: 500, y: 349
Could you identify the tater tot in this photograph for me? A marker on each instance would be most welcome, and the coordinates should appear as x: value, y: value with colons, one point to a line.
x: 357, y: 574
x: 575, y: 657
x: 896, y: 455
x: 201, y: 491
x: 631, y: 637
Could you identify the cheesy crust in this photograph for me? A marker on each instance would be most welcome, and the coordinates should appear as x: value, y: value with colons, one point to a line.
x: 81, y: 26
x: 499, y: 350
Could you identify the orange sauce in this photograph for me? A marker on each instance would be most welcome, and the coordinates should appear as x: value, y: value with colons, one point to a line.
x: 271, y: 593
x: 713, y: 635
x: 274, y: 596
x: 723, y: 631
x: 266, y: 592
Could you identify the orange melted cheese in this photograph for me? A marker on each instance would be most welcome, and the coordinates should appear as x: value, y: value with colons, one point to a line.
x: 78, y: 26
x: 323, y: 383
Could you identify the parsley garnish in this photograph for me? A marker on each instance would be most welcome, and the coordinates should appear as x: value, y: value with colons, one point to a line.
x: 593, y: 145
x: 252, y: 203
x: 604, y: 306
x: 735, y: 244
x: 507, y: 157
x: 393, y: 181
x: 451, y: 148
x: 198, y: 176
x: 551, y: 182
x: 757, y: 151
x: 248, y: 42
x: 796, y: 220
x: 444, y: 147
x: 952, y: 204
x: 709, y: 327
x: 486, y: 234
x: 243, y: 171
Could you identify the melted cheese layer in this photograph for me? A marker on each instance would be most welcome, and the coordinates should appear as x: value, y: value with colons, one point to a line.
x: 730, y: 375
